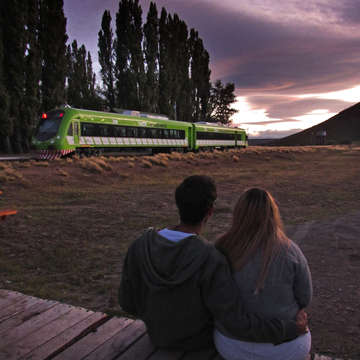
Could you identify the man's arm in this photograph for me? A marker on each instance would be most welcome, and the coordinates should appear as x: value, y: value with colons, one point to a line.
x: 221, y: 296
x: 126, y: 291
x: 303, y: 288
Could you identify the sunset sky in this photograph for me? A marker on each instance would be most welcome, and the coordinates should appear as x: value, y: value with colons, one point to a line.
x: 294, y: 63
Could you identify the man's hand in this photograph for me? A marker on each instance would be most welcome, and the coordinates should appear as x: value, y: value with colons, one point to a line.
x: 302, y: 322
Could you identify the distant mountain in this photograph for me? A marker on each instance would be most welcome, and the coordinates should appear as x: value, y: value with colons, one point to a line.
x: 255, y: 142
x: 342, y: 128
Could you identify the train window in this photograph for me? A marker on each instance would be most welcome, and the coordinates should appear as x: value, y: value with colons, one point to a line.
x: 49, y: 125
x: 89, y: 129
x: 111, y: 130
x: 120, y: 131
x: 166, y: 134
x: 132, y: 132
x: 129, y: 132
x: 102, y: 130
x: 154, y: 133
x: 70, y: 130
x: 181, y: 134
x: 142, y: 133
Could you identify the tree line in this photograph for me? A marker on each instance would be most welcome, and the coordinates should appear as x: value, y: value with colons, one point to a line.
x: 159, y: 66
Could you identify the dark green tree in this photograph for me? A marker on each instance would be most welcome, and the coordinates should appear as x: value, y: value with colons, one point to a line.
x: 75, y: 75
x: 137, y: 55
x: 53, y: 40
x: 220, y: 102
x: 151, y: 54
x: 129, y: 64
x: 200, y: 77
x: 164, y: 65
x: 181, y: 90
x: 106, y: 59
x: 31, y: 102
x: 14, y: 41
x: 5, y: 123
x: 81, y: 91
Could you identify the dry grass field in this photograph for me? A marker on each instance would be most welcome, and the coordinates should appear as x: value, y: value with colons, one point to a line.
x: 77, y: 217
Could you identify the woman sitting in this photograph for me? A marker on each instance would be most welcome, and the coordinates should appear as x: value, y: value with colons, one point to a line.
x: 272, y: 275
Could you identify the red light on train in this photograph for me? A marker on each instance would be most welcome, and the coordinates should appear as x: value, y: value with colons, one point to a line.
x: 61, y: 115
x: 44, y: 116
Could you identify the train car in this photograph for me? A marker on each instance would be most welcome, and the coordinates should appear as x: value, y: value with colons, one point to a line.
x: 209, y: 135
x: 68, y: 130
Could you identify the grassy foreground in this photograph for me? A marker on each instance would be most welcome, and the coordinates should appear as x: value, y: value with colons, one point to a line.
x: 77, y: 217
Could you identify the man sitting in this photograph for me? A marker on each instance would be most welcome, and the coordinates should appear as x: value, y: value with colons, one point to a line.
x: 178, y: 283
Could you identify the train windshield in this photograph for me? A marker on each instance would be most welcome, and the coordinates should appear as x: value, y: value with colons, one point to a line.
x: 49, y: 125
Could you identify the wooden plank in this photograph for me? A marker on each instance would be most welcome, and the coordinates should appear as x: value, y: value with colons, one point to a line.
x: 8, y: 297
x: 205, y: 354
x: 118, y: 343
x: 17, y: 307
x: 25, y: 345
x: 140, y: 350
x: 162, y: 354
x: 34, y: 310
x: 92, y: 341
x: 31, y: 325
x: 66, y: 338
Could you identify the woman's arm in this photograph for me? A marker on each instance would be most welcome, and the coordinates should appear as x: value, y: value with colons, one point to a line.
x: 303, y: 283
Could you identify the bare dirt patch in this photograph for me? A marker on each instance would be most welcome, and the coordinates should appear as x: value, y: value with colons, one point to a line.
x: 77, y: 217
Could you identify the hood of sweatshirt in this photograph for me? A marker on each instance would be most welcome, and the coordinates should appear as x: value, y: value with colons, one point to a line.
x: 167, y: 263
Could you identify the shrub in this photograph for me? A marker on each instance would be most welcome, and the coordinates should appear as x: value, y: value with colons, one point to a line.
x: 102, y: 162
x: 9, y: 174
x: 62, y: 172
x: 146, y: 164
x: 42, y: 163
x: 90, y: 165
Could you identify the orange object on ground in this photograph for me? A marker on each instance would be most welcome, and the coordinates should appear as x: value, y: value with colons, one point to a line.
x: 5, y: 213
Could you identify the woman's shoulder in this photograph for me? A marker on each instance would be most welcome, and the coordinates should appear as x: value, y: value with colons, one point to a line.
x: 292, y: 252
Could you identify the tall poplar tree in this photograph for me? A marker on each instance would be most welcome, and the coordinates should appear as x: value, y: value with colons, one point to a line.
x: 53, y: 40
x: 14, y: 41
x: 136, y: 52
x: 5, y: 123
x: 151, y: 54
x: 106, y: 59
x: 32, y: 72
x: 129, y: 64
x: 200, y: 77
x: 164, y: 65
x: 76, y: 69
x: 180, y: 57
x: 81, y: 92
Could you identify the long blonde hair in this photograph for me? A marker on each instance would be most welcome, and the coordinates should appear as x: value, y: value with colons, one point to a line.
x: 256, y: 226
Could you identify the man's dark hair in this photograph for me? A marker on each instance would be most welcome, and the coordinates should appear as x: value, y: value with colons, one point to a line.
x: 194, y: 198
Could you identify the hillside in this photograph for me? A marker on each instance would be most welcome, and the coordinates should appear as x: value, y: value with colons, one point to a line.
x: 342, y: 128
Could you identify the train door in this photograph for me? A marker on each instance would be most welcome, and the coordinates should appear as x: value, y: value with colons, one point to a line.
x: 191, y: 138
x: 76, y: 131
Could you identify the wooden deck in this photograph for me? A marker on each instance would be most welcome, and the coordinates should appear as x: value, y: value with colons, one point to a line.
x: 32, y: 328
x: 36, y: 329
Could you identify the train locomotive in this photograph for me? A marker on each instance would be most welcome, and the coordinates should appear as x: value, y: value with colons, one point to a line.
x: 67, y: 130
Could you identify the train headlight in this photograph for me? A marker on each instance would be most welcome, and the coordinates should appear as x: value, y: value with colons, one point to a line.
x: 52, y: 141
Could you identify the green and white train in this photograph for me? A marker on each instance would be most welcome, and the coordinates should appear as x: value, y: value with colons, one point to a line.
x: 67, y: 130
